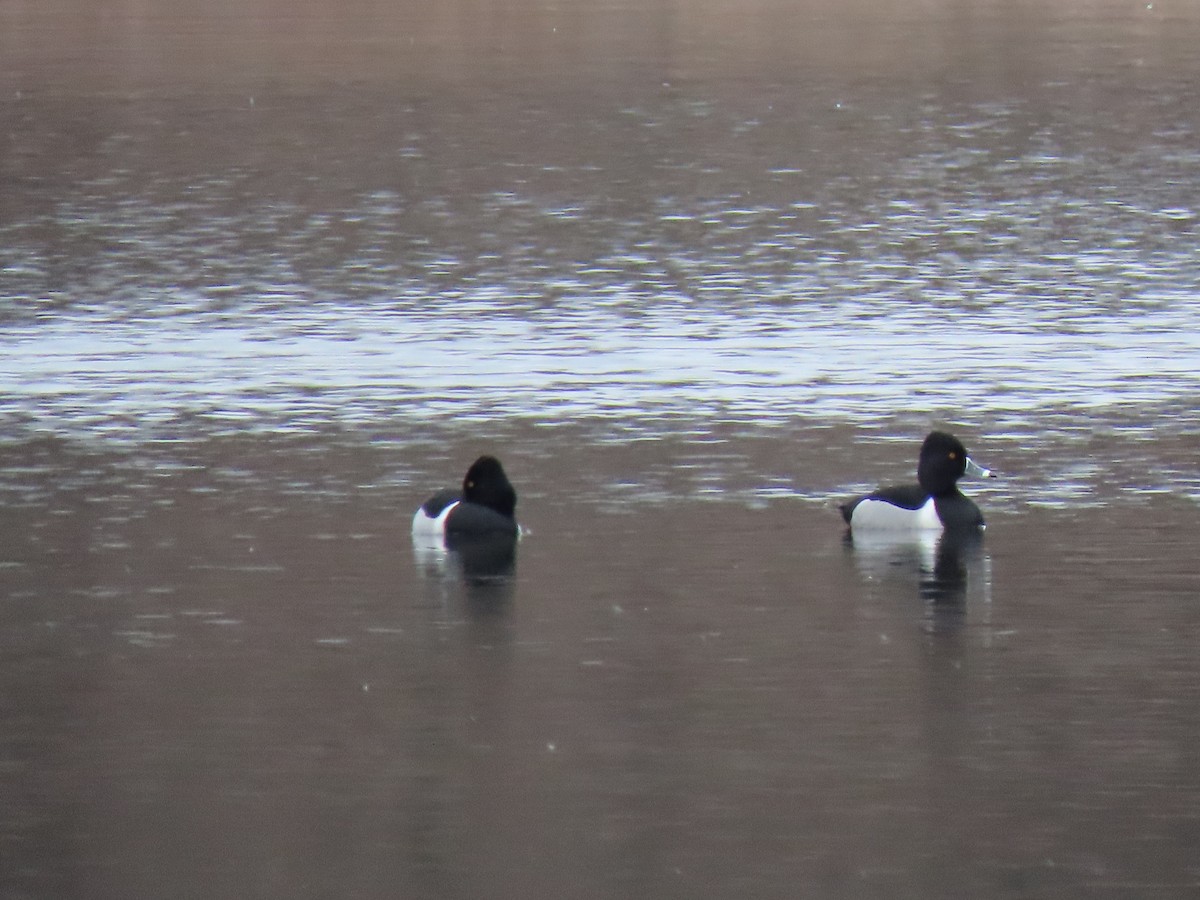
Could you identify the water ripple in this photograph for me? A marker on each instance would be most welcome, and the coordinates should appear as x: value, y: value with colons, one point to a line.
x: 687, y: 257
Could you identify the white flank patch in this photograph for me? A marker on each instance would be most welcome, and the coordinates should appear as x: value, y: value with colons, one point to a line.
x: 883, y: 516
x: 425, y: 526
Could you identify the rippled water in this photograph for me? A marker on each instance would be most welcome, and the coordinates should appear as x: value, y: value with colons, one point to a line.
x: 834, y: 248
x: 270, y: 275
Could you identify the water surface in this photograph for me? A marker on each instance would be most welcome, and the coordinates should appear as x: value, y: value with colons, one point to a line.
x: 271, y: 273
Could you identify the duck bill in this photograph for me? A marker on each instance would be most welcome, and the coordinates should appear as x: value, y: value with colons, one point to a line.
x: 977, y: 471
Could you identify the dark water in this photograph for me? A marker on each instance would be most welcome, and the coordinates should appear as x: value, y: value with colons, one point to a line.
x: 270, y: 273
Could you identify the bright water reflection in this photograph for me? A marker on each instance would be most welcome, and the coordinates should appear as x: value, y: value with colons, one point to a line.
x: 836, y: 253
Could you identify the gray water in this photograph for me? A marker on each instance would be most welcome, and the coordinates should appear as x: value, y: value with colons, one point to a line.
x: 271, y: 273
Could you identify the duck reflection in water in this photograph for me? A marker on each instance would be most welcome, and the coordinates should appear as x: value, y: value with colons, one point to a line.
x: 946, y: 567
x: 484, y: 564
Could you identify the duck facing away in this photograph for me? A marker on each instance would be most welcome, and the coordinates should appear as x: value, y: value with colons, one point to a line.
x: 934, y: 503
x: 484, y: 507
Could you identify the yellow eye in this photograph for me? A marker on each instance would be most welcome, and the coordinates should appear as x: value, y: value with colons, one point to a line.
x: 470, y: 484
x: 953, y: 455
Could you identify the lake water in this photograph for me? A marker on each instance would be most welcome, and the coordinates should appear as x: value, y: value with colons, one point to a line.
x: 271, y: 273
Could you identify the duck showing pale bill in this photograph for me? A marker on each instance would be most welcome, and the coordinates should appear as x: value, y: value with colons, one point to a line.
x: 933, y: 503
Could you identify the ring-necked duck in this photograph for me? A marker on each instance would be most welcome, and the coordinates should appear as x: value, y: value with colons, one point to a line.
x: 485, y: 506
x: 934, y: 503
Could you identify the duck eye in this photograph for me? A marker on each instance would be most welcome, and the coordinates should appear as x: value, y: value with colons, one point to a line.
x: 470, y: 484
x: 953, y: 455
